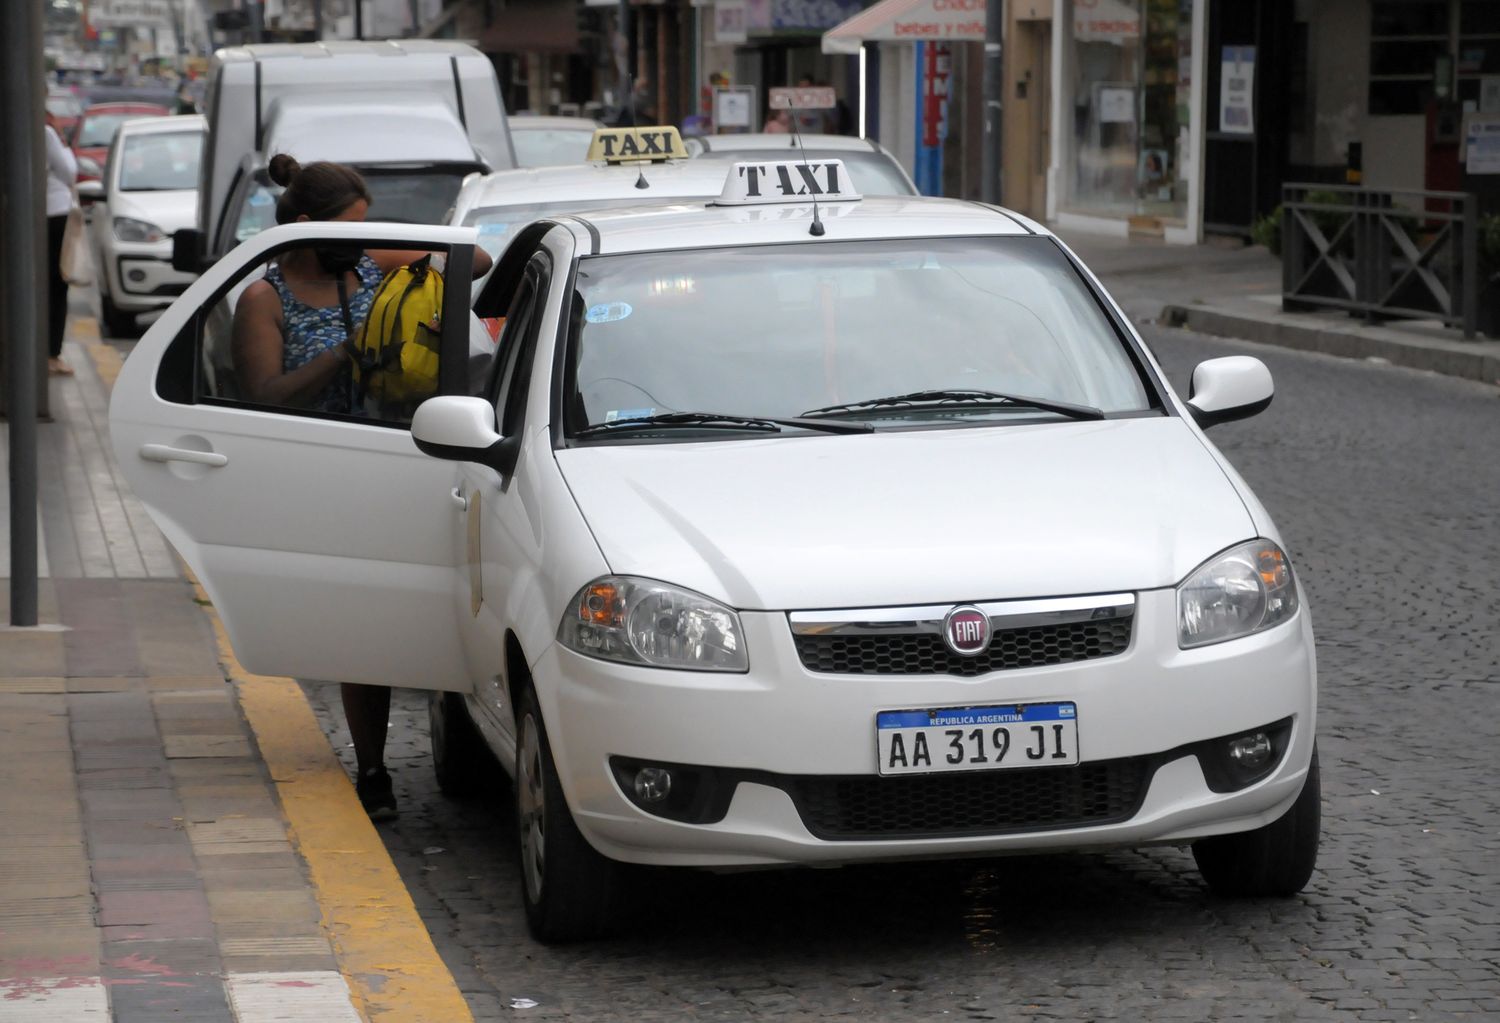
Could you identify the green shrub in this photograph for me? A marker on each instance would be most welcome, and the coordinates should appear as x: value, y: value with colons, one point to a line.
x: 1266, y: 231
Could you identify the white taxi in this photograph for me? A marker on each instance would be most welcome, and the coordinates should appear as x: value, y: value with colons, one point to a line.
x: 776, y: 532
x: 625, y: 166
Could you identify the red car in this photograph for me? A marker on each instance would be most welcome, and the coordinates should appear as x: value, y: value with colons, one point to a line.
x: 96, y: 129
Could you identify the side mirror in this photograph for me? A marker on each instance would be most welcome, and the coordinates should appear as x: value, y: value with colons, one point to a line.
x: 462, y: 429
x: 187, y: 251
x: 1234, y: 387
x: 90, y: 192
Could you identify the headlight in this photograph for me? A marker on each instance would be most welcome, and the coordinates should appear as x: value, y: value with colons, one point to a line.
x: 641, y: 621
x: 128, y: 230
x: 1242, y: 591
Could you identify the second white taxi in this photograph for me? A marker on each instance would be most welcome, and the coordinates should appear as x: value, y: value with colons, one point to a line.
x: 785, y: 528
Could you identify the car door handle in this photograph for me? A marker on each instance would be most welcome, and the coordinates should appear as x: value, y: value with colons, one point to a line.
x: 459, y: 500
x: 165, y: 453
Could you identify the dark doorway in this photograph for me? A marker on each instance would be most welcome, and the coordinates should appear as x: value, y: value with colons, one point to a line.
x: 1243, y: 171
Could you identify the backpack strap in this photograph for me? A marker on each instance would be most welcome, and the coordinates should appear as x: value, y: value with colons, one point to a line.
x: 356, y: 388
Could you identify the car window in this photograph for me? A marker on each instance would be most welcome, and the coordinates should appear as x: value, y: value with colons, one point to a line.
x: 549, y: 147
x: 98, y: 130
x: 159, y: 162
x: 778, y: 330
x: 406, y: 197
x: 277, y: 338
x: 498, y: 224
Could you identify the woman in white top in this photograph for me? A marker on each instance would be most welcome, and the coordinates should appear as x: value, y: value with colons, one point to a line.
x: 62, y: 171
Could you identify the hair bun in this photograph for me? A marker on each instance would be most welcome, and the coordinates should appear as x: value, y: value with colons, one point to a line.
x: 283, y: 169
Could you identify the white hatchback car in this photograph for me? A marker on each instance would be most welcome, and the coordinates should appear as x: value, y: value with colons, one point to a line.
x: 149, y: 190
x: 774, y: 534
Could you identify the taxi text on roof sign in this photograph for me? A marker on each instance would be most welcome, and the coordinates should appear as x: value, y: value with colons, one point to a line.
x: 805, y: 97
x: 786, y: 181
x: 637, y: 145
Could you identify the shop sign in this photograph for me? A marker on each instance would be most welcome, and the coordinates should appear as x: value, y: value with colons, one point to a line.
x: 153, y: 13
x: 1105, y: 21
x: 1237, y: 90
x: 757, y: 15
x: 729, y: 21
x: 802, y: 97
x: 811, y: 15
x: 937, y: 77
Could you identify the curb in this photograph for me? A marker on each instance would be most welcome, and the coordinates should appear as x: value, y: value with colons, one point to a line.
x: 1470, y: 360
x: 385, y: 954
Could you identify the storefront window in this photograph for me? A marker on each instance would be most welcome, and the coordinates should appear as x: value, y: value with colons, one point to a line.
x: 1132, y: 63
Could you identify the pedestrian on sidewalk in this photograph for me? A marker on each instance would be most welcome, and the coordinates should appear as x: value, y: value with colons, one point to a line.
x: 62, y: 172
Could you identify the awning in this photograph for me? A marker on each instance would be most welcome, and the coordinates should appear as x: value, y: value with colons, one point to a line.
x: 956, y: 21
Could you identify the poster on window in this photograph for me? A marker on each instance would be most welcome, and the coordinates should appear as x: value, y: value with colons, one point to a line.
x: 729, y: 21
x: 1237, y: 91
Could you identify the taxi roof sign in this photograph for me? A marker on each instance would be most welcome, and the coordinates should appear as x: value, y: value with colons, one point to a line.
x: 787, y: 181
x: 637, y: 145
x: 803, y: 97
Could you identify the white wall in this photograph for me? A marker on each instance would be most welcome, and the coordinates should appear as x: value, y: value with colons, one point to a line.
x: 898, y: 102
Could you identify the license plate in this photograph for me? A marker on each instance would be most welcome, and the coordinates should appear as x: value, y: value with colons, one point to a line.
x: 977, y: 738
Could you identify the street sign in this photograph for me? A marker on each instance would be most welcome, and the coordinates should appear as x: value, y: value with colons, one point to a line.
x: 805, y: 97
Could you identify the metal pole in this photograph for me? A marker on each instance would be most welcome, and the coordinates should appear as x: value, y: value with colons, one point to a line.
x: 359, y: 19
x: 23, y: 199
x: 994, y: 88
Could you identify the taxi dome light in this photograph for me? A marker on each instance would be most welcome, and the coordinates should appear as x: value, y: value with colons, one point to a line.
x: 779, y: 182
x: 636, y: 145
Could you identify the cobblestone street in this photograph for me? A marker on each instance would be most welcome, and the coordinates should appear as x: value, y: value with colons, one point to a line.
x: 1385, y: 484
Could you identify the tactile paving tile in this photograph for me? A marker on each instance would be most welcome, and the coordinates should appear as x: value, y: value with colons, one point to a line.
x: 230, y: 832
x: 179, y: 883
x: 273, y: 946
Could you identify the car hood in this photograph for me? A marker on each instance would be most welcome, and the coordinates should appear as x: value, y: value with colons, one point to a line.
x: 912, y: 517
x: 169, y: 210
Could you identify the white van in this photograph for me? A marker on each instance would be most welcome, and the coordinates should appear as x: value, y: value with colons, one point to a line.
x: 413, y: 116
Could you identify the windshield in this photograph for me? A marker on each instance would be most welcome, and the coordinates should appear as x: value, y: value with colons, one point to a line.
x: 873, y: 173
x: 157, y: 163
x: 98, y: 130
x: 402, y: 197
x: 779, y: 330
x: 549, y: 147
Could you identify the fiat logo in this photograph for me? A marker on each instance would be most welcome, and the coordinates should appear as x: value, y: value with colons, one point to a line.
x: 966, y: 630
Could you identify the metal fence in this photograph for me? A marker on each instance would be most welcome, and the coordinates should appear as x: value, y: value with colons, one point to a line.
x: 1382, y: 254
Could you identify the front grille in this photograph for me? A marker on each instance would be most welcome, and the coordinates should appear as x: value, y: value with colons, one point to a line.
x: 925, y: 653
x: 983, y: 803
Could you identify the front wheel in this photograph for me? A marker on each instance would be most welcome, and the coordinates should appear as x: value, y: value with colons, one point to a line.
x: 571, y: 892
x: 1276, y: 859
x: 117, y: 322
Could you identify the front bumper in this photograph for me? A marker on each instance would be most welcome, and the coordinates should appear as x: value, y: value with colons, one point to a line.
x: 141, y: 275
x: 781, y: 721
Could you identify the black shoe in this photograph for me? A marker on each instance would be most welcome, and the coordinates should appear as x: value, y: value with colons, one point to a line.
x: 375, y: 795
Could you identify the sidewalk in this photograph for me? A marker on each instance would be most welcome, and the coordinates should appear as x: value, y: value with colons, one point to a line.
x: 1233, y: 290
x: 172, y: 845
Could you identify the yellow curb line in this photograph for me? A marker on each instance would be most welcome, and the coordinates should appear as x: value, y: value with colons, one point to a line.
x: 385, y: 954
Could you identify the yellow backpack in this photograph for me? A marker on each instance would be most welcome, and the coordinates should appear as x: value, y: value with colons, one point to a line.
x: 395, y: 356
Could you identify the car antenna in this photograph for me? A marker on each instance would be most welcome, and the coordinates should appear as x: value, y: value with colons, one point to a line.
x: 817, y: 229
x: 640, y: 173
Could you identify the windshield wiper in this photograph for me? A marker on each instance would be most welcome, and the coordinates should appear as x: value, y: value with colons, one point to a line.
x: 960, y: 397
x: 721, y: 420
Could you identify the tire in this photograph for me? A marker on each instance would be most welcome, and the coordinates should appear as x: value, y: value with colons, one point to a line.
x: 571, y: 892
x: 460, y: 758
x: 1274, y: 860
x: 117, y: 322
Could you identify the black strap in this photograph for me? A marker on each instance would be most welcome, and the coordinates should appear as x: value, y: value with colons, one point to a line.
x: 356, y: 388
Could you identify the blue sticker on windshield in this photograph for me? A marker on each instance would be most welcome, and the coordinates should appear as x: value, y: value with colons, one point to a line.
x: 614, y: 416
x: 261, y: 197
x: 493, y: 228
x: 608, y: 312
